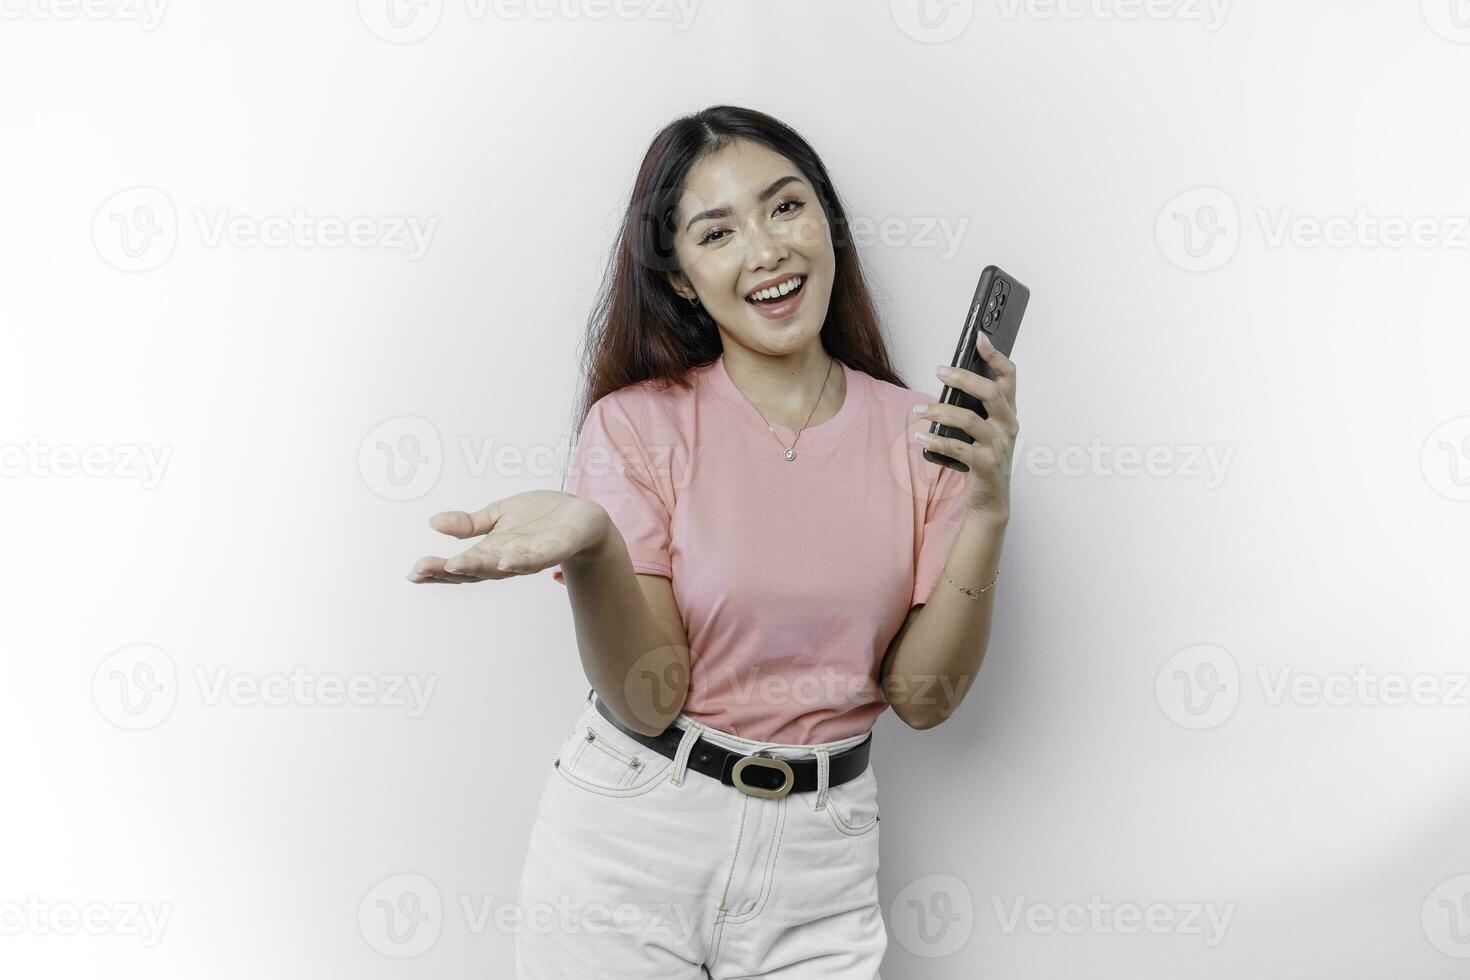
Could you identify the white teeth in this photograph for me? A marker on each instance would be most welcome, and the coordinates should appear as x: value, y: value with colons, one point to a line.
x: 779, y: 290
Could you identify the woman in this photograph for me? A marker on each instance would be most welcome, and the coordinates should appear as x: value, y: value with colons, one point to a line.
x: 759, y: 561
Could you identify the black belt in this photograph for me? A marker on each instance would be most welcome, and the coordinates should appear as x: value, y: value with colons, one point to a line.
x: 754, y: 775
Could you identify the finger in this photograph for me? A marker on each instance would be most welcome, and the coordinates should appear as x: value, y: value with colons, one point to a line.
x: 999, y: 415
x: 477, y: 565
x: 964, y: 419
x: 989, y: 391
x: 519, y: 557
x: 531, y: 553
x: 470, y: 565
x: 431, y: 569
x: 424, y: 566
x: 522, y: 554
x: 428, y: 569
x: 433, y: 578
x: 439, y: 580
x: 1001, y: 366
x: 956, y: 449
x: 466, y: 525
x: 522, y: 559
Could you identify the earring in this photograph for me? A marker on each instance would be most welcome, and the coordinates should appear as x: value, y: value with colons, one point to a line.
x: 694, y: 301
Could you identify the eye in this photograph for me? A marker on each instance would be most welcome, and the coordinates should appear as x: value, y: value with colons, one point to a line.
x: 796, y: 202
x: 787, y: 205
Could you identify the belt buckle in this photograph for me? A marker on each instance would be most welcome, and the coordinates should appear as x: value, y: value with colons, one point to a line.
x: 763, y: 762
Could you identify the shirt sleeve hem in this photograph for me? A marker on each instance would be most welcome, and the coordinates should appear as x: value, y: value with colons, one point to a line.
x: 653, y: 568
x: 646, y: 565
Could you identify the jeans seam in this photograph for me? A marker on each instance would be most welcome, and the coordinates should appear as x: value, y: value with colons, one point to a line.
x: 729, y: 878
x: 840, y: 821
x: 601, y: 742
x: 847, y: 828
x: 770, y: 875
x: 639, y: 790
x: 630, y: 774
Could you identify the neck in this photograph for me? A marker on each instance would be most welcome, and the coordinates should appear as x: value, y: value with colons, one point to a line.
x: 786, y: 387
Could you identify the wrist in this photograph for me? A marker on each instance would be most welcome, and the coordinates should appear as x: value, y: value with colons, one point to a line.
x: 601, y: 547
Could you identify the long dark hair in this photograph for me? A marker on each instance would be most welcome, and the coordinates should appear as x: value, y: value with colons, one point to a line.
x: 641, y: 330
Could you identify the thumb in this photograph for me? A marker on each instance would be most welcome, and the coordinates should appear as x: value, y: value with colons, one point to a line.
x: 462, y: 525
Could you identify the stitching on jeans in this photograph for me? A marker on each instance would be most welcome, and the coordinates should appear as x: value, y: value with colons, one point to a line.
x: 716, y: 937
x: 652, y: 774
x: 605, y: 791
x: 851, y: 830
x: 630, y: 772
x: 770, y: 877
x: 581, y: 747
x: 600, y: 740
x: 681, y: 755
x: 730, y: 876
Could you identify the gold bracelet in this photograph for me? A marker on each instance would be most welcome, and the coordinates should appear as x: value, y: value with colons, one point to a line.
x: 972, y: 593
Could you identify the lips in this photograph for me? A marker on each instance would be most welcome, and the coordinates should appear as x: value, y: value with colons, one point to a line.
x: 783, y: 307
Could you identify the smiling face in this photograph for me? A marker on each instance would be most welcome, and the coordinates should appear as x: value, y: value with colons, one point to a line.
x: 750, y: 226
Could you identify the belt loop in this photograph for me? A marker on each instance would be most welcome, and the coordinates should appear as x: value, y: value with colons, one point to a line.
x: 681, y: 757
x: 590, y: 692
x: 823, y: 774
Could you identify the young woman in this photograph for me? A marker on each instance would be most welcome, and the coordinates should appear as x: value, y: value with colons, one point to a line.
x: 759, y: 561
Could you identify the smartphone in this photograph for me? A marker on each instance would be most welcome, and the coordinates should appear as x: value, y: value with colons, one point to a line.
x: 999, y: 303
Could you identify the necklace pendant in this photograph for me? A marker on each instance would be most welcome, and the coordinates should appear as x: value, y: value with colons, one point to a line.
x: 791, y: 454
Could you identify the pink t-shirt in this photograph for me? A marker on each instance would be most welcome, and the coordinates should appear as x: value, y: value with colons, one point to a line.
x: 792, y: 576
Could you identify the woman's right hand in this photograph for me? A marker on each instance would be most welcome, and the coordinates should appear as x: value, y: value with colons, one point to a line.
x: 522, y: 535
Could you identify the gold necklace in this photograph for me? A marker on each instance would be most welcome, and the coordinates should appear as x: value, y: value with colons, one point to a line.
x: 791, y: 452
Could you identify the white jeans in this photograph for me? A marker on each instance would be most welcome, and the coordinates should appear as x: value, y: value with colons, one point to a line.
x: 640, y: 868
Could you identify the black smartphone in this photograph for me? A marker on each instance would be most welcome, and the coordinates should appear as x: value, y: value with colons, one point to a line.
x: 997, y: 309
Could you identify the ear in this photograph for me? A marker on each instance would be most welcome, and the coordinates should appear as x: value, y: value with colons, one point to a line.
x: 680, y: 283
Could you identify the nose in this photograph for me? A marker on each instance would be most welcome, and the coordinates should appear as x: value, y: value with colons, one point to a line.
x: 765, y: 250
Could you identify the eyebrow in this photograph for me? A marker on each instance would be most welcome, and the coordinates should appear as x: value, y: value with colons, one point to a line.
x: 724, y: 212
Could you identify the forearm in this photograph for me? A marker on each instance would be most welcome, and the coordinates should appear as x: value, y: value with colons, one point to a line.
x: 627, y: 656
x: 933, y: 661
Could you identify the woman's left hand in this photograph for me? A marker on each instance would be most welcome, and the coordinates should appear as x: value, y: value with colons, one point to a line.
x: 989, y: 456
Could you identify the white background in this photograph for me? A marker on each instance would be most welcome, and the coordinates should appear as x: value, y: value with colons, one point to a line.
x: 1127, y: 742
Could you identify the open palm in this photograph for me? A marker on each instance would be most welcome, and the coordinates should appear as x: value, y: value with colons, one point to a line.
x: 518, y: 535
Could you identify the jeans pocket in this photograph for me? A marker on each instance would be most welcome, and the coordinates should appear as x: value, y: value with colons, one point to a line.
x: 599, y: 757
x: 853, y: 805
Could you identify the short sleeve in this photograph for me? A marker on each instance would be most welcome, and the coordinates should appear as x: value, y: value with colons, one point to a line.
x: 611, y: 466
x: 943, y: 514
